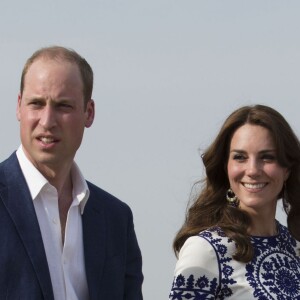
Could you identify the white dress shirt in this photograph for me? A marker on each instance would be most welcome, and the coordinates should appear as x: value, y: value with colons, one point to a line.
x: 66, y: 262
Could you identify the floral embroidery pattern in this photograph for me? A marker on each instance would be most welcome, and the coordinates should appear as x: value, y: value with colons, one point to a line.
x: 190, y: 288
x: 203, y: 287
x: 274, y: 273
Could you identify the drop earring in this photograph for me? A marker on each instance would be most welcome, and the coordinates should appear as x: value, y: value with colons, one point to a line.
x: 231, y: 198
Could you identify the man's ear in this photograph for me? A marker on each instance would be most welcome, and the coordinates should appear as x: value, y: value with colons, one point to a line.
x: 18, y: 114
x: 90, y: 113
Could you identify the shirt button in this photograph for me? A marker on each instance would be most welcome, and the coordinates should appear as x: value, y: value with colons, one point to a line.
x: 54, y: 220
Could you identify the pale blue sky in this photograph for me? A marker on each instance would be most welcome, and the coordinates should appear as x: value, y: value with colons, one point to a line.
x: 167, y: 74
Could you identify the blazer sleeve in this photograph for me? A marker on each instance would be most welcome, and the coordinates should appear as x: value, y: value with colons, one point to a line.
x: 196, y: 272
x: 133, y: 273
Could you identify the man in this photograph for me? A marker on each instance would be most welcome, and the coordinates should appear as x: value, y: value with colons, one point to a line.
x: 60, y: 236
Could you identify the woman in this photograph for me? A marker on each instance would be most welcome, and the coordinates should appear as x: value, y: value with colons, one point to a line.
x: 231, y: 246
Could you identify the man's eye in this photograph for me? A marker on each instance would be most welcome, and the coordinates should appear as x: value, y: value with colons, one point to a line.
x: 65, y: 105
x: 36, y: 103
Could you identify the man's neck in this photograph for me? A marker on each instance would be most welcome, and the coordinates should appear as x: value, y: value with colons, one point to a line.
x: 58, y: 176
x: 65, y: 199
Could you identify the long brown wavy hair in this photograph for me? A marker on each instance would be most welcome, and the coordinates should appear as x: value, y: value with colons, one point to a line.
x: 210, y: 208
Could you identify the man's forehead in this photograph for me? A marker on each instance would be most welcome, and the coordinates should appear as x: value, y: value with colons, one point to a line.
x: 43, y: 66
x: 45, y: 73
x: 47, y: 60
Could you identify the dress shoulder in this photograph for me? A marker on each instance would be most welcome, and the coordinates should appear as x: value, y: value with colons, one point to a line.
x: 197, y: 271
x: 196, y: 253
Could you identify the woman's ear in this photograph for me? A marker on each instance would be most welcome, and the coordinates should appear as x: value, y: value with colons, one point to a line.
x: 287, y: 174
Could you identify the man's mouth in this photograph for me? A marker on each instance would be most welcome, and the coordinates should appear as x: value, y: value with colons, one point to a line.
x: 47, y: 140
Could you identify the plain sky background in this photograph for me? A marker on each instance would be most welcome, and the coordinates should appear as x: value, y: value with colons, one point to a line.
x: 167, y: 74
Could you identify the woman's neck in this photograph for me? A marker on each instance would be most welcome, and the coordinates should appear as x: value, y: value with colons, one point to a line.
x: 261, y: 227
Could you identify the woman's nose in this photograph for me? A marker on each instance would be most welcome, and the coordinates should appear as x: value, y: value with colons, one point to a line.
x: 253, y: 168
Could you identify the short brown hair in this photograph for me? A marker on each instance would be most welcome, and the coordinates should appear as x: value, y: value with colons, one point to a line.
x: 66, y: 54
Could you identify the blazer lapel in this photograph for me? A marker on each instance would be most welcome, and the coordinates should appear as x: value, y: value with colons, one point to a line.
x: 94, y: 236
x: 17, y: 200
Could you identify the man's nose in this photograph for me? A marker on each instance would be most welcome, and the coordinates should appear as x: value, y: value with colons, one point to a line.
x: 48, y: 117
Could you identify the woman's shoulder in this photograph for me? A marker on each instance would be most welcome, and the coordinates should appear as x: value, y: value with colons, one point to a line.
x: 197, y: 268
x: 205, y: 248
x: 199, y: 263
x: 212, y: 236
x: 216, y: 237
x: 215, y: 232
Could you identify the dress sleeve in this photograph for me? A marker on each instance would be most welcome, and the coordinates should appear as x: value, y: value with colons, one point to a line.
x: 197, y: 271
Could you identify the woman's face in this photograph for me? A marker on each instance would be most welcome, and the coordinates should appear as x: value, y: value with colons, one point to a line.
x: 254, y: 174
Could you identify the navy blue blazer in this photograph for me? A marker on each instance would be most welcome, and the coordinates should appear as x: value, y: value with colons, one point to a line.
x: 112, y: 256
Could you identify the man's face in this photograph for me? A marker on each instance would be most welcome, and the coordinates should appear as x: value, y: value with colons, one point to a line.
x: 52, y: 113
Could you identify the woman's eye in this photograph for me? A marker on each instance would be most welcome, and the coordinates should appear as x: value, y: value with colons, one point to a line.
x: 239, y: 157
x: 268, y: 157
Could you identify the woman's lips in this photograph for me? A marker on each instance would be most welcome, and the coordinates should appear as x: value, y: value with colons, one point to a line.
x: 254, y: 186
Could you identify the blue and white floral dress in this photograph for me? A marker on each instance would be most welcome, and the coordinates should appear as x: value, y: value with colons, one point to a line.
x: 206, y: 270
